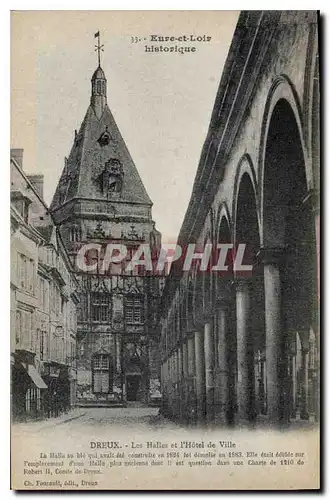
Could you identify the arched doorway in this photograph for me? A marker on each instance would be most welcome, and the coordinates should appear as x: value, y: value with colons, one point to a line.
x: 289, y: 265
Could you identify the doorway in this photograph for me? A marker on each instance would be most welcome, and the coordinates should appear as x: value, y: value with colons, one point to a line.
x: 133, y: 387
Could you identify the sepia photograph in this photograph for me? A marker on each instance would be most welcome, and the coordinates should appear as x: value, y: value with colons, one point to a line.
x: 165, y: 250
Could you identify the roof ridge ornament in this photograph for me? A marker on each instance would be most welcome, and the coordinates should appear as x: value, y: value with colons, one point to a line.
x: 98, y: 47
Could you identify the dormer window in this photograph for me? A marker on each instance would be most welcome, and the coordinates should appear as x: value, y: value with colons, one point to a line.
x: 104, y: 138
x: 21, y: 203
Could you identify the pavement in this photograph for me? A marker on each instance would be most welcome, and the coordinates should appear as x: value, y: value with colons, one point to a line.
x: 133, y: 417
x: 101, y: 417
x: 51, y: 422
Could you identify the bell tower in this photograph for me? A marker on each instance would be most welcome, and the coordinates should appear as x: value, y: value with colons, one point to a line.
x: 99, y: 92
x: 100, y: 199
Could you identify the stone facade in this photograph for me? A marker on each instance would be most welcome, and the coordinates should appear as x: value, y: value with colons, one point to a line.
x: 43, y: 304
x: 239, y: 349
x: 101, y: 200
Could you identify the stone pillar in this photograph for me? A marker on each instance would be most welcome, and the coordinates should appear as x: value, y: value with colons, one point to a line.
x: 179, y: 362
x: 191, y: 388
x: 177, y: 387
x: 275, y: 376
x: 313, y: 200
x: 209, y: 370
x: 184, y: 379
x: 222, y: 370
x: 317, y: 374
x: 185, y: 359
x: 170, y: 385
x: 168, y: 378
x: 200, y: 374
x: 191, y: 356
x: 179, y: 383
x: 245, y: 366
x: 304, y: 402
x: 294, y: 388
x: 174, y: 382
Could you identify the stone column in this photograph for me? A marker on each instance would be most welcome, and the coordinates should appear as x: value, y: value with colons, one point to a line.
x: 179, y: 382
x: 209, y: 370
x: 294, y: 388
x: 174, y: 384
x: 171, y: 383
x: 222, y: 371
x: 168, y: 388
x: 317, y: 374
x: 313, y: 200
x: 272, y: 281
x: 184, y: 379
x: 185, y: 359
x: 179, y: 363
x: 200, y: 374
x: 191, y: 388
x: 191, y: 356
x: 304, y: 403
x: 244, y: 376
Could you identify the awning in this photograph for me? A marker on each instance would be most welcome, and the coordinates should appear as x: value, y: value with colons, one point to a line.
x: 35, y: 377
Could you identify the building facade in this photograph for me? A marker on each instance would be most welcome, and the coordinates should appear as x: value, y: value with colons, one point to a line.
x: 236, y: 348
x: 100, y: 200
x: 43, y: 304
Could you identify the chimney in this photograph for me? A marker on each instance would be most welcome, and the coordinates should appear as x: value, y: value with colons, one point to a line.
x: 17, y: 155
x: 37, y: 181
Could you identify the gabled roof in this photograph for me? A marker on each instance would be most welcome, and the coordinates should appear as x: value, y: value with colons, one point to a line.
x: 87, y: 159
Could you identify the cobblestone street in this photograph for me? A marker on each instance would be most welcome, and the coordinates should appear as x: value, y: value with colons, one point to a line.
x: 88, y: 419
x: 103, y: 417
x: 132, y: 419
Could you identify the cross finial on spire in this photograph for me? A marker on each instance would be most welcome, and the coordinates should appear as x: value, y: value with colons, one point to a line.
x: 98, y: 47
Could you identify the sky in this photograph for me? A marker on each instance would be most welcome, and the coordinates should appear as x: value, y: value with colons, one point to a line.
x: 162, y: 102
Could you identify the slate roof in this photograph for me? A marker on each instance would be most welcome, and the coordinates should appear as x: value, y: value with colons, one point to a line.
x: 46, y: 232
x: 87, y: 160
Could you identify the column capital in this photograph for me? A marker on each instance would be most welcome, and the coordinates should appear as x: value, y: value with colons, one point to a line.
x: 242, y: 283
x: 271, y: 255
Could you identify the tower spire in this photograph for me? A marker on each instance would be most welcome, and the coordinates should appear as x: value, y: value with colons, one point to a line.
x: 98, y: 47
x: 99, y: 83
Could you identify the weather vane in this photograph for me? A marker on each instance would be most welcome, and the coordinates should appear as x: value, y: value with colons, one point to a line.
x: 98, y: 47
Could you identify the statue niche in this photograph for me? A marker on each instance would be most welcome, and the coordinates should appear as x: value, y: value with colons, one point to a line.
x: 111, y: 179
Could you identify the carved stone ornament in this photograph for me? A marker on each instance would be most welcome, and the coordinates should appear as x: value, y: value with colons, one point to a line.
x: 111, y: 178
